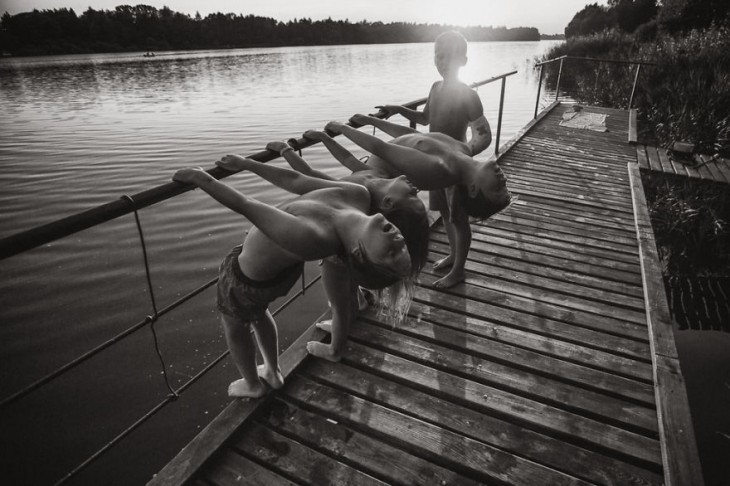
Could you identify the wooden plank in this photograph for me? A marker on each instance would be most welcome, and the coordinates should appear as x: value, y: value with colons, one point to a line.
x: 712, y: 167
x: 667, y: 165
x: 578, y: 200
x: 480, y: 360
x: 633, y: 134
x: 653, y: 157
x: 472, y: 336
x: 546, y: 419
x: 472, y: 458
x: 551, y: 180
x: 723, y: 165
x: 445, y: 412
x: 549, y: 346
x: 679, y: 167
x: 528, y: 322
x: 295, y: 460
x: 705, y: 173
x: 376, y: 458
x: 516, y: 215
x: 641, y: 157
x: 229, y: 469
x: 678, y: 445
x: 560, y: 294
x: 496, y: 295
x: 562, y: 284
x: 489, y: 230
x: 538, y: 231
x: 199, y: 450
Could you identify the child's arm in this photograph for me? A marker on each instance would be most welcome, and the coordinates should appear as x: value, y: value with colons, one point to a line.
x: 287, y: 179
x: 340, y: 153
x: 388, y: 127
x: 285, y: 229
x: 427, y: 172
x: 481, y: 133
x: 415, y: 116
x: 295, y: 161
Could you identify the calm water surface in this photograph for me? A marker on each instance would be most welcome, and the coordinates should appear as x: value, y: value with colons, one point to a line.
x: 79, y: 131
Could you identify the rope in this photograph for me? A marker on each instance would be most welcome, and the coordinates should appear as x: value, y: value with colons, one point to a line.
x: 153, y: 318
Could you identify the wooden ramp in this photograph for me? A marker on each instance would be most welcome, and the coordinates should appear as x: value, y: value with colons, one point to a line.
x: 536, y: 371
x: 656, y: 159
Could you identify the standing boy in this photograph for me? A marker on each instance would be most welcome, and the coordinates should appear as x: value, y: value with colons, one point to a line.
x: 450, y: 108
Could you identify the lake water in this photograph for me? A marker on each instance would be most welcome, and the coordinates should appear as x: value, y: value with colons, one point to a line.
x: 79, y: 131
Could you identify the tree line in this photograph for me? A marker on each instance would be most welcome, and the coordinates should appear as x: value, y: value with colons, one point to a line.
x: 146, y: 28
x: 647, y: 17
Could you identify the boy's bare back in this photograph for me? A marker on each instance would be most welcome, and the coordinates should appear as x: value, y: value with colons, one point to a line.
x: 452, y: 106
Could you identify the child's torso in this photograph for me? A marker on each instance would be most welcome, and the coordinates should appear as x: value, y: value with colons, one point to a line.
x: 262, y: 258
x: 448, y: 107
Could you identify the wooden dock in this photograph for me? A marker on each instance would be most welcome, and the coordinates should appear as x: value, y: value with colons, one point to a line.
x: 553, y: 364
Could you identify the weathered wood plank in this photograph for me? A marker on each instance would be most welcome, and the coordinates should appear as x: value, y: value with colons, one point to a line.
x: 448, y: 449
x: 723, y: 165
x: 547, y: 345
x: 633, y: 133
x: 641, y: 157
x: 295, y: 460
x: 376, y: 458
x: 552, y: 328
x: 593, y: 370
x: 473, y: 360
x: 653, y: 157
x: 545, y: 234
x: 705, y: 173
x: 516, y: 215
x: 573, y: 428
x: 230, y: 469
x: 563, y: 284
x: 664, y: 160
x: 679, y: 449
x: 712, y: 167
x: 444, y: 411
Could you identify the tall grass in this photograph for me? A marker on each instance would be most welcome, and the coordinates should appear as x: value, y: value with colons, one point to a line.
x: 685, y: 97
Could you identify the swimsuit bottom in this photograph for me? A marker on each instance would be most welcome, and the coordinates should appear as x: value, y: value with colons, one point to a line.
x: 247, y: 300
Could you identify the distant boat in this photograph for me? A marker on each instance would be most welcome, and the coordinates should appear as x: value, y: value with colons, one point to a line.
x: 149, y: 54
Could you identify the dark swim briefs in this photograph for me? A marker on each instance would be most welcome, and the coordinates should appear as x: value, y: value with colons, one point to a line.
x: 247, y: 300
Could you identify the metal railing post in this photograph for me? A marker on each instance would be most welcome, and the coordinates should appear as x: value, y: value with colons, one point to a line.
x: 499, y: 119
x: 560, y: 73
x: 633, y: 88
x: 539, y: 85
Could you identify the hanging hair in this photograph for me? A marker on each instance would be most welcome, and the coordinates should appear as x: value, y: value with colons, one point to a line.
x: 480, y: 206
x: 412, y: 222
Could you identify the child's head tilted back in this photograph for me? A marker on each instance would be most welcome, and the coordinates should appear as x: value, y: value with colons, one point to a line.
x: 449, y: 51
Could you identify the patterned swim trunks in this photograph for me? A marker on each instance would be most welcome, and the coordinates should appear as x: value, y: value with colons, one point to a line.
x: 247, y: 300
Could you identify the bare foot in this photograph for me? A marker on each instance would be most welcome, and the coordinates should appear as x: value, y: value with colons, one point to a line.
x: 444, y: 263
x: 452, y: 278
x: 324, y: 351
x: 243, y: 389
x: 326, y: 326
x: 273, y: 378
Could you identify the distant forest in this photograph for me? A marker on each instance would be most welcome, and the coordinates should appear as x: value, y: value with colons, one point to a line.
x: 145, y: 28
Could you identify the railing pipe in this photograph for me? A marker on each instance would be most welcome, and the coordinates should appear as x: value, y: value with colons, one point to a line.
x: 550, y: 60
x: 557, y: 86
x: 539, y: 85
x: 499, y: 119
x: 633, y: 88
x: 40, y: 235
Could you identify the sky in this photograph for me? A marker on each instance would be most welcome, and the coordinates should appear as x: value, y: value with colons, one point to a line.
x: 549, y: 16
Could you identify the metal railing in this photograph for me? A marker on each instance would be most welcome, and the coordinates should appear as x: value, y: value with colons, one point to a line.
x: 35, y: 237
x: 561, y: 59
x: 503, y: 77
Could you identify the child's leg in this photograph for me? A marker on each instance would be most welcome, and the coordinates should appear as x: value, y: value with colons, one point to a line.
x: 448, y: 260
x: 241, y: 345
x: 459, y: 249
x: 342, y: 294
x: 267, y: 338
